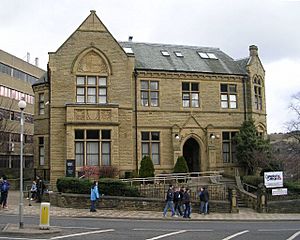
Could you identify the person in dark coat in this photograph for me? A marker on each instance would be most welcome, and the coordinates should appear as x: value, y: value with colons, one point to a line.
x: 206, y: 199
x: 202, y: 202
x: 187, y: 203
x: 177, y: 202
x: 169, y: 201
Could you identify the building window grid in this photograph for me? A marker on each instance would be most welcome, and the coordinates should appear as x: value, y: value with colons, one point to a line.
x: 257, y: 94
x: 91, y: 89
x: 151, y: 146
x: 15, y: 94
x: 228, y: 96
x: 17, y: 73
x: 149, y: 91
x: 92, y: 150
x: 229, y: 147
x: 190, y: 95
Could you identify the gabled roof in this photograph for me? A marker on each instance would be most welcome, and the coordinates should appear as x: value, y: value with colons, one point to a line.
x: 148, y: 56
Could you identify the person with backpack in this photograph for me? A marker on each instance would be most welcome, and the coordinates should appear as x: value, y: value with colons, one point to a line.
x: 4, y: 192
x: 169, y: 201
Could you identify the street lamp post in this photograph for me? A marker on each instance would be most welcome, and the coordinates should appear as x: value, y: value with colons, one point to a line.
x: 22, y: 106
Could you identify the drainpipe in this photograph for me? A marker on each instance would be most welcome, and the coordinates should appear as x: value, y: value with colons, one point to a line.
x: 136, y: 121
x: 245, y: 98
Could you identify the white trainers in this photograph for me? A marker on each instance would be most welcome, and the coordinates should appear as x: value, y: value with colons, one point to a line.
x: 27, y: 198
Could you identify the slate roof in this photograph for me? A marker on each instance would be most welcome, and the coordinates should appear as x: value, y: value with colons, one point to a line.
x: 42, y: 79
x: 148, y: 57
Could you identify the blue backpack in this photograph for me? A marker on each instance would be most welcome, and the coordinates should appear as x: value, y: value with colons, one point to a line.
x: 5, y: 187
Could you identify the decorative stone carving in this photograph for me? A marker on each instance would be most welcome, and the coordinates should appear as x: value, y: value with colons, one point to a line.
x: 93, y: 115
x: 79, y: 114
x: 92, y: 63
x: 105, y: 115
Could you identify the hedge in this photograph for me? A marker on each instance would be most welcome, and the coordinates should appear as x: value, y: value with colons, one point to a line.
x: 253, y: 180
x: 107, y: 186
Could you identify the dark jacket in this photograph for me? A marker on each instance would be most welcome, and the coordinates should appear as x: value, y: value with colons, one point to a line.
x: 170, y: 195
x: 206, y: 195
x: 201, y: 196
x: 186, y: 198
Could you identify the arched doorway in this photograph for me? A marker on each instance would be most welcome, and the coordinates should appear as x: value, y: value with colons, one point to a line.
x: 191, y: 154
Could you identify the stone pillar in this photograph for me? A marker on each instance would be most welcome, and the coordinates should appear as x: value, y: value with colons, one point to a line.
x: 234, y: 207
x: 261, y: 198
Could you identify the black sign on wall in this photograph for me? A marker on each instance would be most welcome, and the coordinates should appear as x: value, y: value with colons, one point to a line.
x: 70, y: 168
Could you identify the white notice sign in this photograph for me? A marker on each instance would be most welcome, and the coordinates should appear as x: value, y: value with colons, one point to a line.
x: 273, y: 179
x: 279, y: 191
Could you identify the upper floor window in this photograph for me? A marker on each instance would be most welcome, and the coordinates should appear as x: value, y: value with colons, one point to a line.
x: 149, y: 93
x: 91, y: 89
x: 257, y: 94
x: 151, y: 145
x: 229, y: 147
x: 228, y: 96
x: 190, y: 94
x: 41, y: 103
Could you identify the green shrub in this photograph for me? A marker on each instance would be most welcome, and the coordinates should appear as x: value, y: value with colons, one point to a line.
x: 293, y: 186
x: 253, y: 180
x: 73, y: 185
x: 115, y: 187
x: 107, y: 186
x: 181, y: 165
x: 147, y: 167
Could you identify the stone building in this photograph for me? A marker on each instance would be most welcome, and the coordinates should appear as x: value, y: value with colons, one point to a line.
x: 111, y: 103
x: 16, y: 78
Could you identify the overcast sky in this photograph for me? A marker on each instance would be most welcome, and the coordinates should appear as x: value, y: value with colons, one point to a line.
x: 40, y: 26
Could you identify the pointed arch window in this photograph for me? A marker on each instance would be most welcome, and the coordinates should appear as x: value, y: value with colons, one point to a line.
x: 257, y: 93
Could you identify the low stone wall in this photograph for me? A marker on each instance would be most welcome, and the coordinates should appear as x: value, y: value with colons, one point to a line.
x: 123, y: 203
x: 286, y: 206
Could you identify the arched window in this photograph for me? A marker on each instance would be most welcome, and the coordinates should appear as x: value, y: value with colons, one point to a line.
x: 258, y: 93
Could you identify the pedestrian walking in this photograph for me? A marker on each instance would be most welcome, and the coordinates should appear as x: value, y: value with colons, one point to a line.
x: 187, y: 204
x: 169, y: 201
x: 40, y: 188
x: 206, y: 199
x: 95, y: 195
x: 33, y: 191
x: 177, y: 202
x: 202, y: 202
x: 4, y: 192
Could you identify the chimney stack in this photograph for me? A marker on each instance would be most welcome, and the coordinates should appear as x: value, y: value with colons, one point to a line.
x: 253, y: 51
x: 36, y: 61
x: 28, y: 57
x: 130, y: 38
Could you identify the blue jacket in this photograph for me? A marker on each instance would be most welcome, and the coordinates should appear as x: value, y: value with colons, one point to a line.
x: 94, y: 193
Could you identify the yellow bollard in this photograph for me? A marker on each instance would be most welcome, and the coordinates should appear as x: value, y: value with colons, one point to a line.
x: 45, y: 215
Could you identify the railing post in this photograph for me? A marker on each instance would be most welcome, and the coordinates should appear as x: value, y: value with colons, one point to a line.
x: 261, y: 198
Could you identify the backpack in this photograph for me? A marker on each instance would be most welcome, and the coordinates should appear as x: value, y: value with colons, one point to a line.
x: 5, y: 187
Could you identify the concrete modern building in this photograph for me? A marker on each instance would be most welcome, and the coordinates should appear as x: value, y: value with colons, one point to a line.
x: 111, y: 103
x: 16, y: 78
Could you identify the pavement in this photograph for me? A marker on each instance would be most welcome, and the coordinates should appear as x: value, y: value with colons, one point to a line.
x: 245, y: 214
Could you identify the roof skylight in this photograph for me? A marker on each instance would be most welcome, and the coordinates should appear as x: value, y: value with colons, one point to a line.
x: 207, y: 55
x: 165, y: 53
x: 178, y: 54
x: 128, y: 50
x: 203, y: 55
